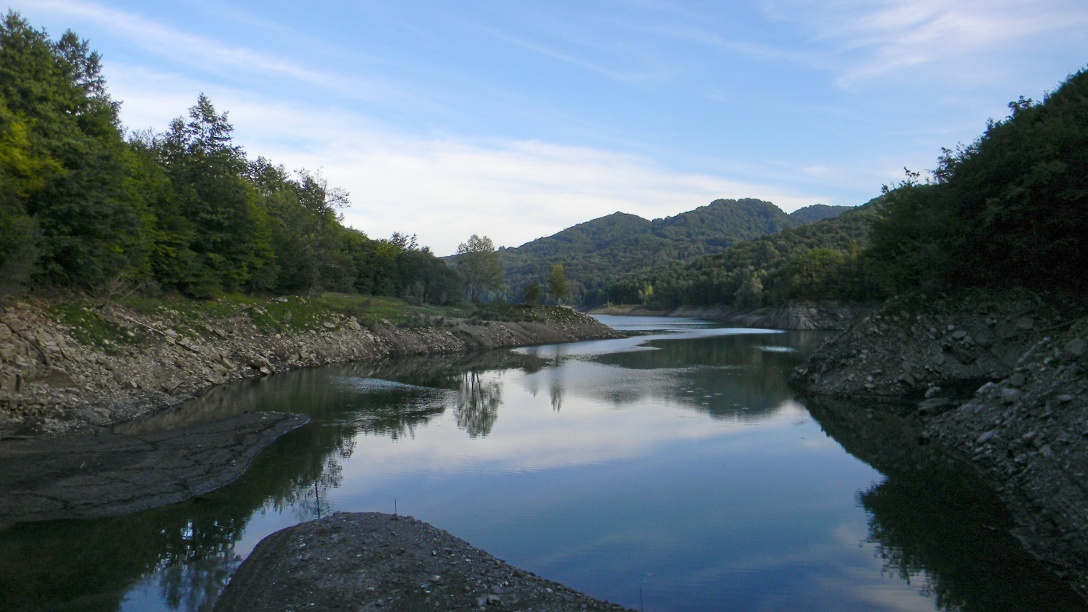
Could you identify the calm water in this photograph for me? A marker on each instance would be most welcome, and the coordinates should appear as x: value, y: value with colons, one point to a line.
x: 674, y: 470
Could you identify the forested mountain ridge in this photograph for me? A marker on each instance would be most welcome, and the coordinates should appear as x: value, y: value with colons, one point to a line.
x: 818, y: 212
x: 815, y: 261
x: 596, y: 252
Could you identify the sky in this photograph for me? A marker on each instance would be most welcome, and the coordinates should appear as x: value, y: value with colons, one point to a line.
x: 516, y: 119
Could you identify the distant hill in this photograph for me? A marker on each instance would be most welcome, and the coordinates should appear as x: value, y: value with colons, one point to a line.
x: 814, y: 261
x: 818, y: 212
x: 597, y: 252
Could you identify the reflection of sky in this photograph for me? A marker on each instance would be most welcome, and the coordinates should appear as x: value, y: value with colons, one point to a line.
x: 703, y: 485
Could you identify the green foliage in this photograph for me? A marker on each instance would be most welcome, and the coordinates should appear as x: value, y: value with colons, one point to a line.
x: 181, y: 211
x: 1011, y: 209
x: 532, y: 293
x: 600, y: 251
x: 558, y: 286
x: 62, y: 151
x: 479, y: 265
x: 817, y: 261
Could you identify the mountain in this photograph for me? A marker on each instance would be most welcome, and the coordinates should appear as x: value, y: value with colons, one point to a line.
x: 814, y: 261
x: 597, y: 252
x: 818, y: 212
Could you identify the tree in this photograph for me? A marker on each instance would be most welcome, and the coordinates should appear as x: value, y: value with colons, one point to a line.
x: 557, y: 283
x: 479, y: 265
x: 63, y: 168
x: 232, y: 241
x: 750, y: 294
x: 532, y: 293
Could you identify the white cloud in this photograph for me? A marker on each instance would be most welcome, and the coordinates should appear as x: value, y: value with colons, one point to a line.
x: 953, y: 41
x: 443, y: 189
x: 211, y: 57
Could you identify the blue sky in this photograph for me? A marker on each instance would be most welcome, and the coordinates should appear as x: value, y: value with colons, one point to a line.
x: 515, y: 119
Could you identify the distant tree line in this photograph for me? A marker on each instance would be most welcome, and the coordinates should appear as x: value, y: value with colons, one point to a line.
x: 818, y: 261
x: 85, y: 207
x: 1009, y: 210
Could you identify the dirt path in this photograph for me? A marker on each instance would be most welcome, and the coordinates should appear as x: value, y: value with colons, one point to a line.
x: 374, y: 561
x: 106, y: 474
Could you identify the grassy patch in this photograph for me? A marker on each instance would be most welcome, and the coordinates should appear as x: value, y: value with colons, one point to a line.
x: 89, y: 328
x: 372, y: 309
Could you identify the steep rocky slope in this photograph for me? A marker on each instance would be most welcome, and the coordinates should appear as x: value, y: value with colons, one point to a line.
x: 997, y: 379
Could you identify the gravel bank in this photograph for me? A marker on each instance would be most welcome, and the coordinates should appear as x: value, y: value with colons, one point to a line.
x: 374, y: 561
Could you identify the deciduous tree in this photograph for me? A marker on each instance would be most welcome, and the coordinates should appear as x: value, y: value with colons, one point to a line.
x: 479, y: 265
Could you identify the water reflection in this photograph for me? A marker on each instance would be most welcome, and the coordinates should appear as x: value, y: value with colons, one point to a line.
x: 478, y: 403
x: 677, y: 460
x: 932, y: 523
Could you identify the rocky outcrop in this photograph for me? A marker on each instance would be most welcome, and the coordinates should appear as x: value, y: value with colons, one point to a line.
x: 997, y: 380
x: 909, y: 347
x: 1028, y: 432
x: 794, y: 315
x: 372, y: 561
x: 54, y: 378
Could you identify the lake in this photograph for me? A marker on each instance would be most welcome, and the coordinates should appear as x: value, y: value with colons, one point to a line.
x: 672, y: 470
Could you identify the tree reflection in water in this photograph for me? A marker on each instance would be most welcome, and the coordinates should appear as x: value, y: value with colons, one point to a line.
x: 477, y: 404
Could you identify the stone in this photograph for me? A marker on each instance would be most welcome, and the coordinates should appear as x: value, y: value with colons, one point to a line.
x: 1010, y: 395
x: 985, y: 437
x: 1025, y: 323
x: 1076, y: 348
x: 932, y: 391
x: 1017, y: 380
x: 959, y: 334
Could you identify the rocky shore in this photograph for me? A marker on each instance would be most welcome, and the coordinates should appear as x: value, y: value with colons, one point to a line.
x: 54, y: 380
x: 373, y: 561
x: 109, y: 474
x: 794, y: 315
x: 998, y: 382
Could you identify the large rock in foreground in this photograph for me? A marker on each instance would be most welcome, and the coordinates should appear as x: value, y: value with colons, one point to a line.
x: 371, y: 561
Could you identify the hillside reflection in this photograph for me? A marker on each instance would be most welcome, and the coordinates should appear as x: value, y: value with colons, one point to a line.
x: 740, y: 377
x: 933, y: 523
x: 598, y: 442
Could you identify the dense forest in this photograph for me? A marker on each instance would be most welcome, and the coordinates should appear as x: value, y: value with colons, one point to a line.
x: 597, y: 252
x: 1008, y: 210
x: 816, y: 261
x: 84, y: 205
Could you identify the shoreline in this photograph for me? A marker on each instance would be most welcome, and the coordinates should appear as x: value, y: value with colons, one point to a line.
x: 53, y: 383
x: 995, y: 380
x: 800, y: 315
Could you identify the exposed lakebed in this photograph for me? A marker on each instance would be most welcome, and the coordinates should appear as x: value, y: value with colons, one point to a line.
x: 670, y: 470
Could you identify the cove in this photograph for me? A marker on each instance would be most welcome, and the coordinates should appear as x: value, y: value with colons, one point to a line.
x: 672, y: 470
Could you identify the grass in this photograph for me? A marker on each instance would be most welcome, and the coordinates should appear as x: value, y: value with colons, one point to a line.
x: 90, y: 328
x: 91, y: 325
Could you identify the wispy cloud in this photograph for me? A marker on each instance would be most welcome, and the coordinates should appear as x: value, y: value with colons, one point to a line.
x: 880, y: 39
x: 211, y: 56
